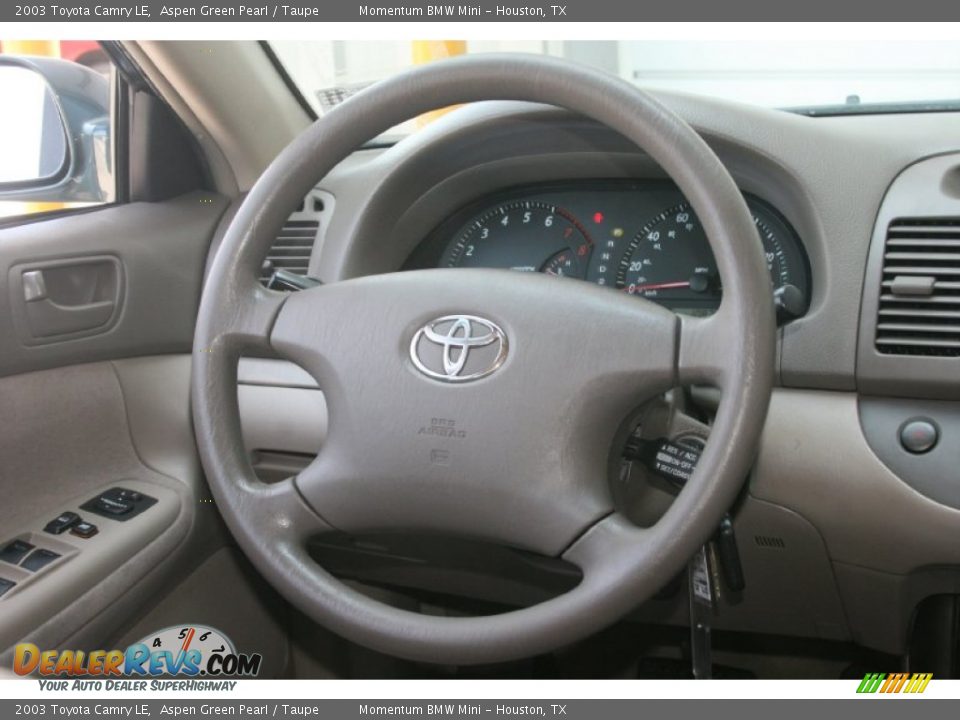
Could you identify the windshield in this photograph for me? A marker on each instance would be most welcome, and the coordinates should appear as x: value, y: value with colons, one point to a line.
x: 816, y: 77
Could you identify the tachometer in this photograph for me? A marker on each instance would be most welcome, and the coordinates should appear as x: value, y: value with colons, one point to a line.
x: 526, y: 235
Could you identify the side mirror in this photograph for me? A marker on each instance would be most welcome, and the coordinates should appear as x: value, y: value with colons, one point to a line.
x: 55, y: 139
x: 33, y: 141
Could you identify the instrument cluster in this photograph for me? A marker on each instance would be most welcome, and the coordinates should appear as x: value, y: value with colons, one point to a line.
x: 641, y: 238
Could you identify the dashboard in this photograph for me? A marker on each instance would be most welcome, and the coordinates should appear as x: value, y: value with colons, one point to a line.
x: 824, y: 192
x: 638, y: 237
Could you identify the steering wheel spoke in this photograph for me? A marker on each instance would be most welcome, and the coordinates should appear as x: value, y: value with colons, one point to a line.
x: 245, y: 322
x: 280, y: 508
x: 706, y: 345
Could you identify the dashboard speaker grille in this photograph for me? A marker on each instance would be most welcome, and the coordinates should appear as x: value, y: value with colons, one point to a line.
x: 769, y: 541
x: 919, y: 309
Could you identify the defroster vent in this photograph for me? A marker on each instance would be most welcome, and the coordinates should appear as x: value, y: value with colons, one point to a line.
x: 919, y: 310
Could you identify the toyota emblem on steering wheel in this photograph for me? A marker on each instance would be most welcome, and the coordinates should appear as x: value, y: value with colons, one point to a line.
x: 458, y: 348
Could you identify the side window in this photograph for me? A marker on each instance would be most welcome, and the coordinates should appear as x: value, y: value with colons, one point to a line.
x: 57, y: 130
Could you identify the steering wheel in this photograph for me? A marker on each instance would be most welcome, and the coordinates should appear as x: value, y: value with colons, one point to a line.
x: 513, y: 446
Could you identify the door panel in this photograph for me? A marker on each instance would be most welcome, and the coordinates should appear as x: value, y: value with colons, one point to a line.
x: 97, y: 318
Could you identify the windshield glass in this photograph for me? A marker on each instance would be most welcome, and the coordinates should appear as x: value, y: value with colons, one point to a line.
x: 816, y: 78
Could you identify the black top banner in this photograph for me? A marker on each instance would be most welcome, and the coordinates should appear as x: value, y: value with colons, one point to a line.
x: 151, y: 11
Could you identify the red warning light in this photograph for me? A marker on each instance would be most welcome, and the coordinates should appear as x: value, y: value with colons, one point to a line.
x: 598, y: 217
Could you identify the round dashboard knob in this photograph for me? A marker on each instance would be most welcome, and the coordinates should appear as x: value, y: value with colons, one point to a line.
x: 919, y: 435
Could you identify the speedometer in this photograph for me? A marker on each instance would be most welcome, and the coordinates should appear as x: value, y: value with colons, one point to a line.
x: 670, y: 256
x: 526, y: 235
x: 669, y: 260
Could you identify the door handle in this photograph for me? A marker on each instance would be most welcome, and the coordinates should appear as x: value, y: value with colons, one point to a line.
x: 69, y: 297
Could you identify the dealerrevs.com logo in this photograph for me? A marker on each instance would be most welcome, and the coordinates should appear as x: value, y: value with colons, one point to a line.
x: 189, y: 651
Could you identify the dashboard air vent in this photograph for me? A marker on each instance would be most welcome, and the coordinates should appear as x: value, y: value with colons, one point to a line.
x: 919, y: 310
x: 296, y: 241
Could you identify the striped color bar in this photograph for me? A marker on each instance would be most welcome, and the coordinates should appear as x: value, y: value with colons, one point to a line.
x: 895, y: 683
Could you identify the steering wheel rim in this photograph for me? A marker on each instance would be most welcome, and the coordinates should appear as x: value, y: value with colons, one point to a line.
x: 622, y: 565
